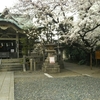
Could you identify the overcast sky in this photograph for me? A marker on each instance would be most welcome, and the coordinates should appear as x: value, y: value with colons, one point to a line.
x: 6, y: 3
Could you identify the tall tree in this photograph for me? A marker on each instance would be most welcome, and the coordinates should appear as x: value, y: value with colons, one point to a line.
x: 53, y: 16
x: 48, y: 14
x: 86, y: 32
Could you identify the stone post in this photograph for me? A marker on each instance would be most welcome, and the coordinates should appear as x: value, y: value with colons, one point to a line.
x: 31, y: 64
x: 34, y: 65
x: 24, y: 61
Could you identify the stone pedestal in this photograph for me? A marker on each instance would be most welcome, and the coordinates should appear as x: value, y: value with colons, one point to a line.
x: 51, y: 68
x: 50, y: 65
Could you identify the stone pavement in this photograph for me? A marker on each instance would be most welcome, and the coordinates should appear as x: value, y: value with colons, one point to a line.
x: 83, y: 69
x: 69, y: 84
x: 71, y: 69
x: 6, y: 86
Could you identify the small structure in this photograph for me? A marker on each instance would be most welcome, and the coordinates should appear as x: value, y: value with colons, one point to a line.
x: 50, y: 65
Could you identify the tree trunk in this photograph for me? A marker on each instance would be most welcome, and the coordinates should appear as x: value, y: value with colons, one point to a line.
x: 91, y: 60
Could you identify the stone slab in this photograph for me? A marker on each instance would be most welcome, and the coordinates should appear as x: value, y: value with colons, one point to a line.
x: 6, y: 86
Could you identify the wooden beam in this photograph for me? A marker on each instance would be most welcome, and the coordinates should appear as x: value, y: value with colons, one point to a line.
x: 8, y: 39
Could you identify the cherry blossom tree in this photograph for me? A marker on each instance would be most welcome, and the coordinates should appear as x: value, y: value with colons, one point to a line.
x: 86, y: 31
x: 51, y: 15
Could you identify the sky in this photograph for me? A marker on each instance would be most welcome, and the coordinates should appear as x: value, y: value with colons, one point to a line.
x: 6, y: 3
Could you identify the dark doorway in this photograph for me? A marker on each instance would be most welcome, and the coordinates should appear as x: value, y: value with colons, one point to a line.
x: 7, y: 48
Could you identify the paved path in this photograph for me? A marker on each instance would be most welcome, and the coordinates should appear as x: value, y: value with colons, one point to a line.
x: 83, y: 69
x: 6, y: 86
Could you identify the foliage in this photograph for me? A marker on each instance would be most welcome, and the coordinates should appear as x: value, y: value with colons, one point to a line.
x: 98, y: 47
x: 27, y: 45
x: 75, y: 54
x: 24, y: 46
x: 49, y: 14
x: 86, y: 30
x: 54, y: 16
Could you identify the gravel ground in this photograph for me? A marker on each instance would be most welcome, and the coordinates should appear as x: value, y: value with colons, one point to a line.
x: 61, y: 88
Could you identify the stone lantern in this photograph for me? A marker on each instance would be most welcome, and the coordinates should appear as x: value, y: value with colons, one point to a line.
x: 50, y: 65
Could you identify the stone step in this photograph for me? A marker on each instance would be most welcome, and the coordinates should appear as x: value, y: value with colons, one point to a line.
x: 11, y: 60
x: 11, y: 68
x: 51, y: 65
x: 11, y: 65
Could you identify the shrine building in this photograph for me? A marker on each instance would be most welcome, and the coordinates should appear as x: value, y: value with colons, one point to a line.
x: 10, y: 34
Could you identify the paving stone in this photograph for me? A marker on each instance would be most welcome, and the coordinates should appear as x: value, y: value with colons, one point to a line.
x: 6, y: 86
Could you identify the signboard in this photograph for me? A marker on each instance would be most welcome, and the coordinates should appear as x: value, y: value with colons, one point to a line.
x: 97, y: 55
x: 52, y: 59
x: 12, y: 50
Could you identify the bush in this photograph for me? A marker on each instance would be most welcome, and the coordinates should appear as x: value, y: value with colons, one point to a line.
x: 82, y: 62
x: 77, y: 55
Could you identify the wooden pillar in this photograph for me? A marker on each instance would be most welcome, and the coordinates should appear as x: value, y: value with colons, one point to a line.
x: 17, y: 45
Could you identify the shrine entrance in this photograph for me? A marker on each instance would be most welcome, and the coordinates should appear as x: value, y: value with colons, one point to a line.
x: 8, y: 49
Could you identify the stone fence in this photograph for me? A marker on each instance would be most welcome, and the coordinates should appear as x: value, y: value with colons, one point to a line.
x: 33, y: 62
